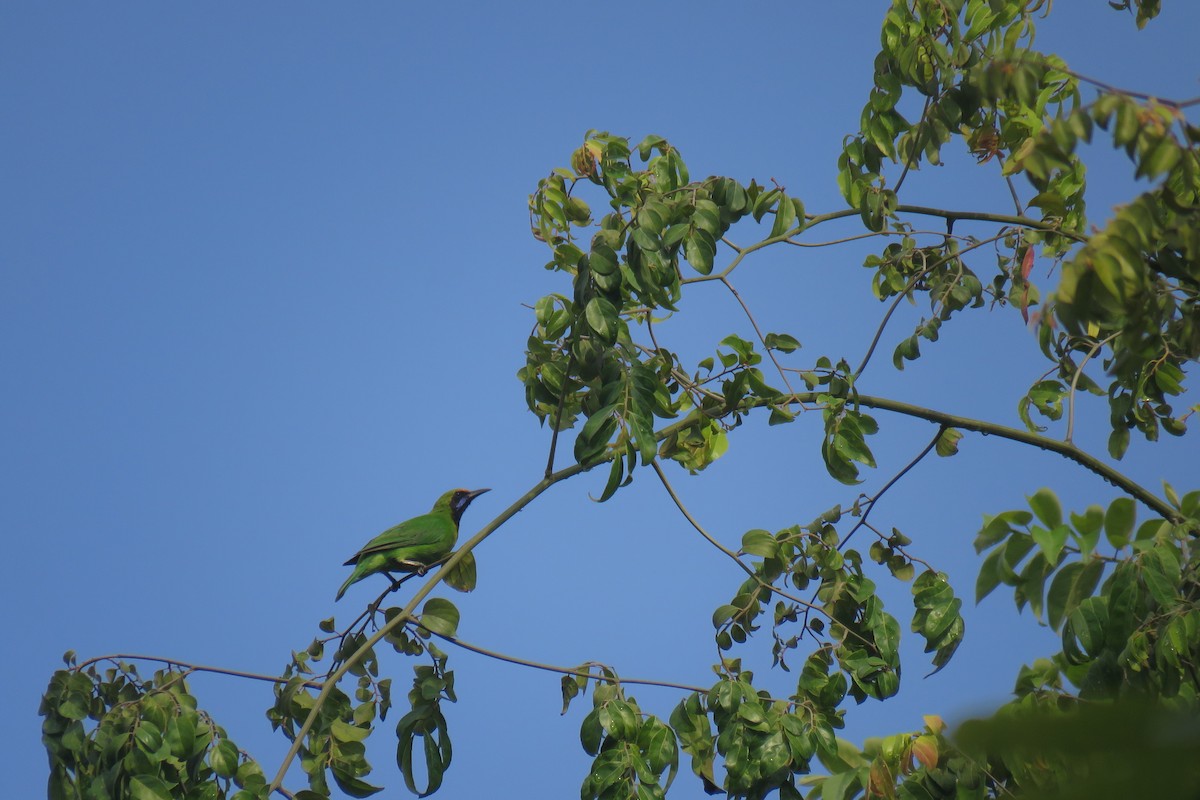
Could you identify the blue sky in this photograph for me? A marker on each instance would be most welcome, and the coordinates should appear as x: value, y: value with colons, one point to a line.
x: 264, y: 271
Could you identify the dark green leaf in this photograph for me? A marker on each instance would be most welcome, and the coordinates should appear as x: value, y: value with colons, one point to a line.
x: 1118, y: 521
x: 1073, y: 583
x: 223, y: 758
x: 440, y: 616
x: 462, y: 575
x: 149, y: 787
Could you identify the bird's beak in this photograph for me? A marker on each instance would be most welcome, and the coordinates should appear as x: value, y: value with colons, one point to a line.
x: 476, y: 493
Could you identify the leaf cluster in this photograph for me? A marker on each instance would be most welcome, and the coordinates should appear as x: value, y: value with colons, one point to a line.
x: 111, y: 733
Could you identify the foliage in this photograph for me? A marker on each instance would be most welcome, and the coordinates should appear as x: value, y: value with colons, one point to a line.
x: 1124, y: 597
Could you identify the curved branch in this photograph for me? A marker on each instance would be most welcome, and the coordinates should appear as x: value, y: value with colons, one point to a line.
x: 894, y: 480
x: 713, y: 541
x: 474, y: 648
x: 979, y: 216
x: 1064, y: 449
x: 175, y: 662
x: 758, y: 331
x: 813, y: 221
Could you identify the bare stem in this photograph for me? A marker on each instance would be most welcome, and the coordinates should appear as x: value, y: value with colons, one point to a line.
x: 862, y: 521
x: 474, y: 648
x: 754, y: 323
x: 662, y: 476
x: 1075, y: 383
x: 174, y: 662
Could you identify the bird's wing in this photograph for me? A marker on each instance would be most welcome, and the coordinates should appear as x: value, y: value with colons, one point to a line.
x: 415, y: 531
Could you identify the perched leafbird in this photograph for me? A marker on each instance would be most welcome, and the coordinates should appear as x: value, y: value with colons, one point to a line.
x: 413, y: 545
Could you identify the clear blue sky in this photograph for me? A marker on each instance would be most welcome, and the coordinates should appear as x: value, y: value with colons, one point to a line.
x: 262, y: 276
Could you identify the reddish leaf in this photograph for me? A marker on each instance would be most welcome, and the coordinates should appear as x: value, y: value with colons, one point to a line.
x: 925, y: 750
x: 1027, y: 264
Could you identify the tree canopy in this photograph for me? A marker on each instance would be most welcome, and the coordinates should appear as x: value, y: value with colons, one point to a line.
x: 630, y: 235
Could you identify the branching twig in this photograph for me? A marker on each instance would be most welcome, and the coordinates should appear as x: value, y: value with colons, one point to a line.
x: 908, y: 288
x: 662, y: 476
x: 870, y: 504
x: 1064, y: 449
x: 754, y: 323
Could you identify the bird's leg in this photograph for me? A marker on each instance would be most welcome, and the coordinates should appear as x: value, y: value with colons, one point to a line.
x: 396, y: 582
x: 416, y: 566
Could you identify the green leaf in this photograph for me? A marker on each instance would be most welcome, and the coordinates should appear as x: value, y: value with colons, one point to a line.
x: 1047, y: 508
x: 1118, y: 443
x: 782, y: 342
x: 989, y: 575
x: 353, y: 786
x: 602, y: 318
x: 1118, y: 521
x: 723, y: 614
x: 440, y: 616
x: 1088, y: 527
x: 1086, y: 625
x: 785, y: 216
x: 223, y: 758
x: 1050, y: 541
x: 700, y: 249
x: 947, y: 443
x: 615, y: 473
x: 619, y: 719
x: 1161, y: 571
x: 149, y: 787
x: 1072, y: 585
x: 591, y: 732
x: 759, y: 543
x: 658, y: 742
x: 345, y: 732
x: 462, y: 576
x: 428, y: 724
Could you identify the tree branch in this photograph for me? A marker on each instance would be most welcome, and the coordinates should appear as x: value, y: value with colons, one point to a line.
x: 894, y: 480
x: 474, y: 648
x: 174, y: 662
x: 1064, y: 449
x: 713, y: 541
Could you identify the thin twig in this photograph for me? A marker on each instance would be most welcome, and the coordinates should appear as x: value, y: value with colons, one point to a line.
x: 908, y: 288
x: 662, y: 476
x: 750, y: 316
x: 235, y: 673
x: 1057, y: 446
x: 872, y: 234
x: 916, y: 149
x: 871, y: 501
x: 1075, y: 383
x: 474, y: 648
x: 557, y: 421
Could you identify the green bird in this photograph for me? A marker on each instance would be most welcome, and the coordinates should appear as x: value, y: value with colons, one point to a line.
x: 413, y: 545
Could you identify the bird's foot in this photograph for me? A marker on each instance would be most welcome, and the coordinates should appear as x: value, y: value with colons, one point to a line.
x: 416, y: 567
